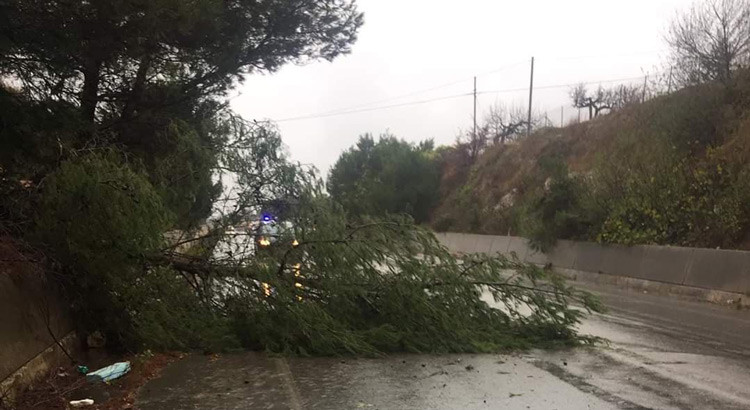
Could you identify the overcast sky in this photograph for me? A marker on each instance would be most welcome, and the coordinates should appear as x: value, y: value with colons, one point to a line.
x: 409, y: 46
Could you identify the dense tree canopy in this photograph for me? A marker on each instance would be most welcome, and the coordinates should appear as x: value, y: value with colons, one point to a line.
x: 387, y: 176
x: 116, y: 58
x: 148, y: 75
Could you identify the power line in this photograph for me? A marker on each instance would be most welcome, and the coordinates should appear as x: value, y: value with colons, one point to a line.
x: 383, y: 107
x: 543, y: 87
x: 305, y: 117
x: 587, y: 57
x: 413, y: 93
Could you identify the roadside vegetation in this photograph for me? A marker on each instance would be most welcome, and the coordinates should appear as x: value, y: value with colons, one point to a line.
x: 116, y: 136
x: 387, y: 176
x: 672, y: 170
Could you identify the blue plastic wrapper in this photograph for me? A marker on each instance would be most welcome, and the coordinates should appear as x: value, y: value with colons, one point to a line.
x: 108, y: 373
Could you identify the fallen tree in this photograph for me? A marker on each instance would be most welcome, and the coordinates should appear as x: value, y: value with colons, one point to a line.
x: 331, y: 284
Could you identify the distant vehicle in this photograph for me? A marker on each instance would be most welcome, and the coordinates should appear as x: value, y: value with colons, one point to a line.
x: 270, y: 232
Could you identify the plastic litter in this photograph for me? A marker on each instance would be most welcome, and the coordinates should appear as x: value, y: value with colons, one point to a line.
x: 82, y: 369
x: 82, y: 403
x: 108, y: 373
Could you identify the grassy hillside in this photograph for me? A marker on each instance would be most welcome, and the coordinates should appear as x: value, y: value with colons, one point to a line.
x: 674, y: 170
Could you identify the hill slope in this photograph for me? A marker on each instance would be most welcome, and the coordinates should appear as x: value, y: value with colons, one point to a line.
x: 673, y: 170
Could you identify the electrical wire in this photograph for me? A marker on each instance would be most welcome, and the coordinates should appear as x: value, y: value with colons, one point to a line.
x: 410, y: 94
x: 305, y: 117
x: 543, y: 87
x: 552, y: 86
x: 589, y: 57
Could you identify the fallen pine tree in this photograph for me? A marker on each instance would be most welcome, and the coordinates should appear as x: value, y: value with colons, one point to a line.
x: 331, y: 284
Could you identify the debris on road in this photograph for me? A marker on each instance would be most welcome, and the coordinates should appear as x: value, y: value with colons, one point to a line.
x: 108, y: 373
x: 82, y: 403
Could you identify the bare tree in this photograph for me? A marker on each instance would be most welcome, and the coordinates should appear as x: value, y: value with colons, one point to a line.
x: 710, y: 41
x: 596, y: 102
x: 505, y: 123
x: 606, y: 99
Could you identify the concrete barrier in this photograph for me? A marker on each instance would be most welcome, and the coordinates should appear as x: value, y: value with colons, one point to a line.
x: 588, y: 256
x: 620, y: 260
x: 446, y: 239
x: 712, y: 269
x: 484, y: 243
x: 499, y: 245
x: 519, y: 247
x: 465, y: 243
x: 664, y: 264
x: 28, y: 306
x: 30, y: 309
x: 563, y: 255
x: 719, y: 269
x: 535, y: 256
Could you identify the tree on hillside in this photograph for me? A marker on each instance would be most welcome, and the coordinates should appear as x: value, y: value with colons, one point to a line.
x: 387, y: 176
x: 605, y: 99
x: 505, y: 123
x: 710, y: 41
x: 595, y: 102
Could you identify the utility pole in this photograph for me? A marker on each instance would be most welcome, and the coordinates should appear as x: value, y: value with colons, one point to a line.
x: 645, y: 84
x: 562, y: 110
x: 531, y: 94
x: 475, y: 108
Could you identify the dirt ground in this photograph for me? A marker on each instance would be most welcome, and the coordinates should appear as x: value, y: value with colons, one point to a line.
x: 65, y: 384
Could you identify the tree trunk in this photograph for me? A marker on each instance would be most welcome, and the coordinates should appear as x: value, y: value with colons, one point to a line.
x: 137, y: 89
x: 90, y: 92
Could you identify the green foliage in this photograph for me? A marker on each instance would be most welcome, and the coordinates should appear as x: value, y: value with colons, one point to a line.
x: 88, y: 50
x: 365, y: 285
x: 165, y: 312
x: 687, y: 203
x: 387, y: 176
x: 100, y: 219
x: 387, y: 285
x: 183, y: 175
x: 561, y: 209
x: 147, y: 77
x: 96, y: 204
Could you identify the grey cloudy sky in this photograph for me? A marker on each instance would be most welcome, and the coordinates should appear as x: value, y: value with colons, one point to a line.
x: 408, y: 46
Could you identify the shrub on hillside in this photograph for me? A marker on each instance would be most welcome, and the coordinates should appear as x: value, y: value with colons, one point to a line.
x: 561, y: 208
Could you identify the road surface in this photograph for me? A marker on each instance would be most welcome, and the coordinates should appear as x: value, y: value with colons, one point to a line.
x: 663, y: 353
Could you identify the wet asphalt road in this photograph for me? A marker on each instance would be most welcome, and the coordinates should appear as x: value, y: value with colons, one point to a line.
x: 664, y: 353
